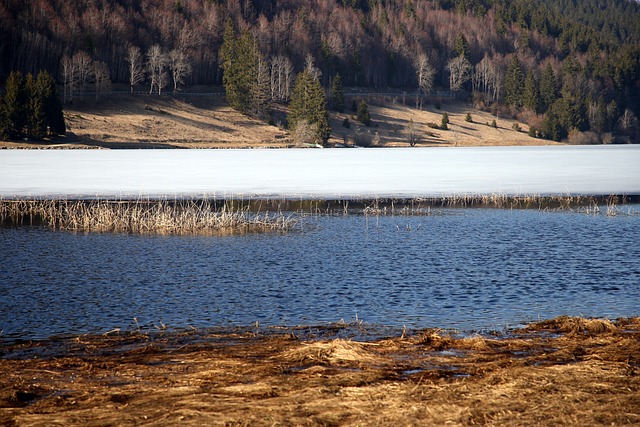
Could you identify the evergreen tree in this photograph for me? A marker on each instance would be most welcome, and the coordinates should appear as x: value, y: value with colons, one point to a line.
x: 562, y: 116
x: 337, y: 94
x: 462, y: 47
x: 5, y: 124
x: 532, y: 92
x: 15, y: 104
x: 444, y: 124
x: 548, y: 89
x: 52, y: 106
x: 308, y: 106
x: 246, y: 73
x: 363, y: 115
x: 36, y: 122
x: 514, y: 83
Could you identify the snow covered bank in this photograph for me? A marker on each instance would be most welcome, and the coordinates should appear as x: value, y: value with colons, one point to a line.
x: 331, y: 174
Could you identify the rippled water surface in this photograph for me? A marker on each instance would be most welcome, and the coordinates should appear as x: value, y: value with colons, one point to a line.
x: 468, y: 269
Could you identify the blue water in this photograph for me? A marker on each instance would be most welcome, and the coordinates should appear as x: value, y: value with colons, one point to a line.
x: 469, y: 269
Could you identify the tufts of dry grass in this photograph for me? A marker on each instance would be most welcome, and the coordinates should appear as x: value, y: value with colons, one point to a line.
x: 526, y: 377
x: 575, y: 326
x: 142, y: 217
x: 337, y: 352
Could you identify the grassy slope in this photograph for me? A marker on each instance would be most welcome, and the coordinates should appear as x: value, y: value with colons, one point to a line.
x: 123, y: 121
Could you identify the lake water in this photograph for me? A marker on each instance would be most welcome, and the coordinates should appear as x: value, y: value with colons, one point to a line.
x: 470, y: 269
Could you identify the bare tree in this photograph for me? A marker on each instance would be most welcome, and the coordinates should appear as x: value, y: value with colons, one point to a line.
x: 69, y: 79
x: 459, y: 72
x: 306, y: 134
x: 413, y: 136
x: 136, y: 66
x: 102, y: 78
x: 425, y: 73
x: 179, y: 66
x: 260, y: 90
x: 311, y: 68
x: 163, y: 78
x: 628, y: 123
x: 281, y: 78
x: 83, y: 65
x: 157, y: 68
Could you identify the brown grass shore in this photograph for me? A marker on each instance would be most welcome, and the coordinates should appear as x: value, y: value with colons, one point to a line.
x: 145, y: 121
x: 566, y: 371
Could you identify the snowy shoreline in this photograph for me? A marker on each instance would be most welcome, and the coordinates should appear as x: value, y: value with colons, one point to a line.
x: 322, y: 174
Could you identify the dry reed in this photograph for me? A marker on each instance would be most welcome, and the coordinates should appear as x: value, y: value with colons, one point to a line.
x: 142, y: 217
x: 337, y: 352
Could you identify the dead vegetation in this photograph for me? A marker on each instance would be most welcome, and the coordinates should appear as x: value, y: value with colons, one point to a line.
x: 565, y: 371
x: 181, y: 216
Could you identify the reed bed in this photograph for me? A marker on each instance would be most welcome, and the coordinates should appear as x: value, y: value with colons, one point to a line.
x: 142, y: 216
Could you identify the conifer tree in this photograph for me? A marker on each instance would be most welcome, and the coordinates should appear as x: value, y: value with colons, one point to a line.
x: 363, y: 115
x: 548, y: 88
x: 337, y: 94
x: 36, y: 124
x: 52, y: 106
x: 444, y: 124
x: 14, y: 104
x: 462, y: 46
x: 514, y: 83
x: 5, y: 124
x: 246, y: 73
x: 308, y: 106
x: 532, y: 92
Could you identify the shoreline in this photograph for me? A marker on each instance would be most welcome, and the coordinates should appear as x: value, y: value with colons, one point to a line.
x: 563, y: 371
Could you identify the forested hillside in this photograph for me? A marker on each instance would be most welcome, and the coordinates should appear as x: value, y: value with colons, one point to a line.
x: 562, y: 65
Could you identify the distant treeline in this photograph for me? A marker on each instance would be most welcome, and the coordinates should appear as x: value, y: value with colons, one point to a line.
x: 565, y: 65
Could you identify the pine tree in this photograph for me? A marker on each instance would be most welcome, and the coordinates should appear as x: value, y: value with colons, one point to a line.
x: 337, y: 94
x: 444, y: 124
x: 532, y: 92
x: 308, y: 106
x: 514, y: 83
x: 14, y: 104
x: 462, y: 47
x: 246, y: 73
x: 548, y: 89
x: 363, y: 115
x: 5, y: 124
x: 232, y: 78
x: 52, y: 106
x: 36, y: 123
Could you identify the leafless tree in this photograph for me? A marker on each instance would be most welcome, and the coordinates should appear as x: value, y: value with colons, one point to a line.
x: 488, y: 77
x: 261, y: 90
x: 102, y: 78
x: 459, y: 72
x: 413, y: 136
x: 311, y: 68
x: 281, y: 78
x: 157, y: 68
x: 179, y: 66
x: 305, y: 134
x: 83, y: 65
x: 425, y: 73
x: 628, y: 123
x: 136, y: 66
x: 68, y: 78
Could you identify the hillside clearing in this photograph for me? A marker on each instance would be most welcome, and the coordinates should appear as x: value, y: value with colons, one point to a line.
x: 142, y: 121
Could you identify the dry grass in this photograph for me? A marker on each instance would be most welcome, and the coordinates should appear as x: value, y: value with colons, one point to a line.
x: 391, y: 121
x: 124, y: 121
x: 142, y: 217
x: 423, y: 205
x: 535, y: 376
